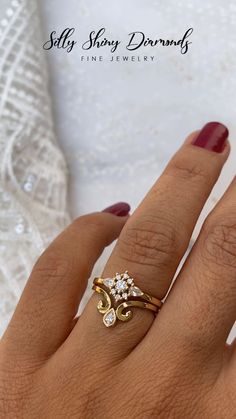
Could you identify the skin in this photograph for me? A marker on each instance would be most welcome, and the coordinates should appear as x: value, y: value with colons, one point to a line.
x: 174, y: 365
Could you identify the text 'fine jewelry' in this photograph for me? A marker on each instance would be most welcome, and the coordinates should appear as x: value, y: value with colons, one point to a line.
x: 120, y: 293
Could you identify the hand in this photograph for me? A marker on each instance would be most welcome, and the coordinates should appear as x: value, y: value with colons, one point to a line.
x: 174, y: 365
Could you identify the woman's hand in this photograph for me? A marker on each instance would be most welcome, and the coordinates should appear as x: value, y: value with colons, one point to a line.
x: 174, y: 365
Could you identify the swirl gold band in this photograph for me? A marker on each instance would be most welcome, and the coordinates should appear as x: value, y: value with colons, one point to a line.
x: 120, y: 293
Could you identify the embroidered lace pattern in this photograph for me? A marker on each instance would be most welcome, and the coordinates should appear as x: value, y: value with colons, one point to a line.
x: 33, y: 188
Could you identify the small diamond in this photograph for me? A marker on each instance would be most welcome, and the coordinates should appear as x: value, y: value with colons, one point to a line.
x: 125, y: 295
x: 121, y: 285
x: 113, y: 291
x: 109, y: 318
x: 117, y: 297
x: 130, y: 281
x: 135, y: 292
x: 126, y: 275
x: 118, y: 276
x: 109, y: 282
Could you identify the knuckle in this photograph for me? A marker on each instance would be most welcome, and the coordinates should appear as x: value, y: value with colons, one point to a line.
x: 52, y: 267
x: 52, y: 263
x: 90, y: 221
x: 94, y: 225
x: 187, y: 169
x: 220, y: 242
x: 148, y: 241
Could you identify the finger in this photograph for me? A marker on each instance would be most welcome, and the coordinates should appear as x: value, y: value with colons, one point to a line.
x: 204, y: 294
x: 155, y: 238
x: 45, y: 313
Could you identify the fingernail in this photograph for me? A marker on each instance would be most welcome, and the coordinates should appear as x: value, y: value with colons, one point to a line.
x: 121, y: 209
x: 212, y: 137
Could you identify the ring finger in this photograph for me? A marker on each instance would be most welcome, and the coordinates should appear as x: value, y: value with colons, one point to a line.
x: 156, y: 237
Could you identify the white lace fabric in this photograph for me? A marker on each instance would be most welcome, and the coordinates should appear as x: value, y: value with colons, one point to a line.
x: 33, y: 175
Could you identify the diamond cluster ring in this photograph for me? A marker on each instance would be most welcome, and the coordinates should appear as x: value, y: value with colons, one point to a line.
x: 120, y: 293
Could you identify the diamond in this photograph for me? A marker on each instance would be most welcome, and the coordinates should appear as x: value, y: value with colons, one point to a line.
x: 117, y: 297
x: 130, y: 281
x: 113, y: 291
x: 109, y: 282
x: 121, y: 285
x: 118, y: 276
x: 126, y: 275
x: 109, y: 318
x: 125, y: 295
x: 135, y: 292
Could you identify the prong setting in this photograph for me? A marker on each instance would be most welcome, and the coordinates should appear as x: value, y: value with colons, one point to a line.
x: 122, y: 286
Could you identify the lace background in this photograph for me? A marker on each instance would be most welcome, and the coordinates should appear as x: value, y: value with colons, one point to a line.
x: 33, y: 204
x: 116, y: 123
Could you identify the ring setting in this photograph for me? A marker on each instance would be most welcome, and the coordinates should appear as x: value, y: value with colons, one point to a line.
x: 118, y: 295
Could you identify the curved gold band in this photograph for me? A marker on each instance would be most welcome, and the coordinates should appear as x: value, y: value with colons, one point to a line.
x: 120, y: 293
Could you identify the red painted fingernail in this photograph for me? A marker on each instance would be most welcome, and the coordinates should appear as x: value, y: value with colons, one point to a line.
x: 212, y: 137
x: 121, y: 209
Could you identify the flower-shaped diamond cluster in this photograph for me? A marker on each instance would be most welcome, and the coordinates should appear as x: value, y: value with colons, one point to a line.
x: 122, y: 286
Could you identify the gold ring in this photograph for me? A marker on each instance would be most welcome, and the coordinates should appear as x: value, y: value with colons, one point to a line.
x: 120, y: 293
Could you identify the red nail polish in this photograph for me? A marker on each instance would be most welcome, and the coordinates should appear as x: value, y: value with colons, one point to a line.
x: 212, y: 137
x: 121, y: 209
